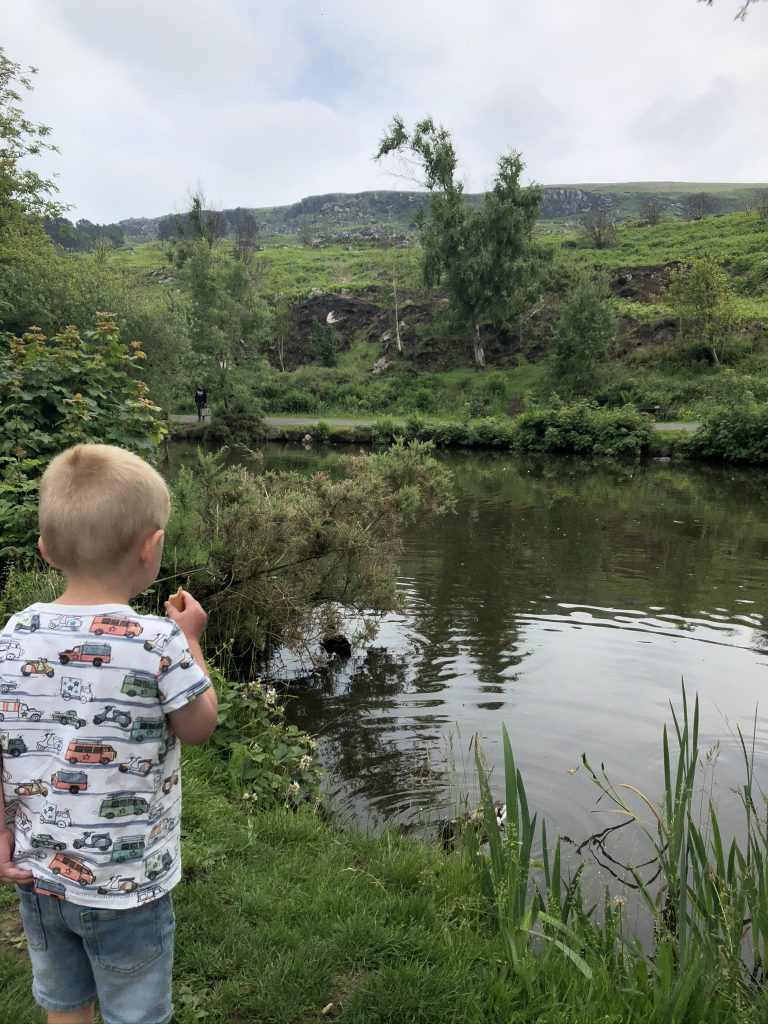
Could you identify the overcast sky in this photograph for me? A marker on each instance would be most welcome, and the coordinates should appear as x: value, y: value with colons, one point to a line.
x: 262, y: 102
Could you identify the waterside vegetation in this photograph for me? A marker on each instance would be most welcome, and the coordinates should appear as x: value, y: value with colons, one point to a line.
x: 386, y: 928
x: 285, y: 916
x: 669, y: 317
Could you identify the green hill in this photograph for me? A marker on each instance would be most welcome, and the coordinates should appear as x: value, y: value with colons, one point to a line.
x: 374, y: 216
x: 350, y: 285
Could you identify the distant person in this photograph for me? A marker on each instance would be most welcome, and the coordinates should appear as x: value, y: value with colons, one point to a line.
x: 201, y: 401
x: 100, y: 925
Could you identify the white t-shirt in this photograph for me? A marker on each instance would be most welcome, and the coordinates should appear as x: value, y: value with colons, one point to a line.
x: 90, y: 763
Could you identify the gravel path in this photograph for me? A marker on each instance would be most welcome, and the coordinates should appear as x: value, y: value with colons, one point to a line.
x: 311, y: 421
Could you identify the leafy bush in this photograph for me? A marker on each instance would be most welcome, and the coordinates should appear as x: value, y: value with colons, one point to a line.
x: 322, y: 430
x: 488, y: 394
x: 583, y: 428
x: 423, y: 400
x: 386, y: 429
x: 267, y: 552
x: 447, y: 435
x: 298, y: 400
x: 732, y: 433
x: 416, y: 426
x: 70, y: 389
x: 228, y: 428
x: 494, y: 432
x: 269, y: 763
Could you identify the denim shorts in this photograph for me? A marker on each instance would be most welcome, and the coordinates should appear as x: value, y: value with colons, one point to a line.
x: 121, y: 959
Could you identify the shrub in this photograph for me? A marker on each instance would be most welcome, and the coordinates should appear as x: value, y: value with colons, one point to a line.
x: 322, y: 431
x: 416, y: 426
x: 732, y: 434
x: 270, y: 552
x: 229, y: 428
x: 268, y: 762
x: 299, y: 400
x: 583, y: 428
x: 451, y: 434
x: 70, y: 389
x: 386, y: 429
x: 494, y: 432
x: 424, y: 400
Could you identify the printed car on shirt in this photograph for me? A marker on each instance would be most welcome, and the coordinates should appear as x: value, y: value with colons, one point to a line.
x: 75, y: 782
x: 89, y: 654
x: 123, y: 804
x: 72, y: 868
x: 18, y: 709
x: 10, y: 650
x: 90, y: 752
x: 115, y: 626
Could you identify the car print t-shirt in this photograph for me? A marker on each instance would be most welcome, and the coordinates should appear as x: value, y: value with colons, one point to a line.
x: 90, y: 763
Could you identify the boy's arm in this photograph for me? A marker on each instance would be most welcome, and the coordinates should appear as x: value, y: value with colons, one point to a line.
x: 8, y: 870
x: 193, y: 723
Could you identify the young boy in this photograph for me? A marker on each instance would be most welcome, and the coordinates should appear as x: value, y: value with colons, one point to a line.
x: 94, y: 698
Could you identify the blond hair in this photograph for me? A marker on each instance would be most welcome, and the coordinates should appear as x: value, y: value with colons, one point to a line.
x: 96, y: 503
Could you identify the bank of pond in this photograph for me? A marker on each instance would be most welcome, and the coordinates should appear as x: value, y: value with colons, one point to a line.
x: 552, y: 613
x: 283, y: 915
x: 736, y: 433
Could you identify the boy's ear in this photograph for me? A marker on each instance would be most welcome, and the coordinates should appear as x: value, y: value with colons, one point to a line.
x: 43, y: 551
x: 150, y: 545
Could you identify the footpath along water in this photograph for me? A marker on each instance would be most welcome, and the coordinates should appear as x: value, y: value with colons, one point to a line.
x: 567, y: 600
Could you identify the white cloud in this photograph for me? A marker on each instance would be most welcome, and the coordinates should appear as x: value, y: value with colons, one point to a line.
x: 263, y: 104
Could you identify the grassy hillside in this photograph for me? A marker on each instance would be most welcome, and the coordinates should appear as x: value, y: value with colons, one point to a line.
x: 649, y: 363
x: 391, y: 213
x: 733, y: 190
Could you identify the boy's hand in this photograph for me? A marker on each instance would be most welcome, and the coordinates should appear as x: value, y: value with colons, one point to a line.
x: 192, y: 618
x: 8, y: 870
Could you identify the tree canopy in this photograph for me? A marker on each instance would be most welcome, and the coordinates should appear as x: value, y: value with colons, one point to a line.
x: 743, y: 8
x: 482, y: 255
x: 22, y: 190
x: 705, y: 304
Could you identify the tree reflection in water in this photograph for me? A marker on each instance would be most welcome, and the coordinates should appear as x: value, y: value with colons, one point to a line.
x: 566, y: 599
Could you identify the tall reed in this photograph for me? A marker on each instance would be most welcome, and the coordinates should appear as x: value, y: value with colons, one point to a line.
x: 705, y: 904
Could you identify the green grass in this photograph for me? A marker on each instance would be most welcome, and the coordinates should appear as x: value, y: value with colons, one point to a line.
x: 146, y: 256
x: 739, y: 239
x: 302, y: 268
x: 338, y: 266
x: 281, y: 916
x: 665, y: 374
x: 734, y: 190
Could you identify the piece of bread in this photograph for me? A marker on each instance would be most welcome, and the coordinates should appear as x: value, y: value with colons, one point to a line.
x: 177, y: 599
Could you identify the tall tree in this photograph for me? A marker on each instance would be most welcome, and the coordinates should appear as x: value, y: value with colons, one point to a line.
x: 581, y: 336
x: 207, y: 223
x: 698, y: 205
x: 22, y: 190
x: 482, y: 255
x: 705, y: 304
x: 600, y: 228
x: 246, y: 233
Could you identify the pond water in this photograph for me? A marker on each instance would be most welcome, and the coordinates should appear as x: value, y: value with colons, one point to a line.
x: 566, y: 600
